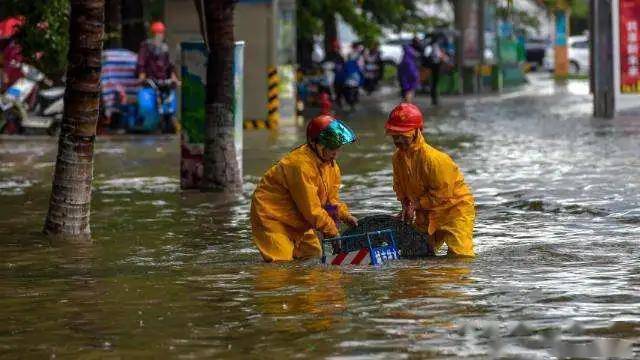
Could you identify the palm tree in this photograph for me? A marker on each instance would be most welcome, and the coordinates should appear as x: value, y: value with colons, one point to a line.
x: 221, y: 168
x: 70, y: 203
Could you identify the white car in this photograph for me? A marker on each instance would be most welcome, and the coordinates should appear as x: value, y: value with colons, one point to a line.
x: 578, y: 51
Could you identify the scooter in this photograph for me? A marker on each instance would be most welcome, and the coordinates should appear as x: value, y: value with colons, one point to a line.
x: 157, y: 106
x: 48, y: 109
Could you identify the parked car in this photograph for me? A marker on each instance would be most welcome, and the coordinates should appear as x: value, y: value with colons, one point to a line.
x: 578, y: 52
x: 535, y: 50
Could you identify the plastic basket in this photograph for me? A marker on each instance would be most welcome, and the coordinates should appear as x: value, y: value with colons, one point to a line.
x: 360, y: 249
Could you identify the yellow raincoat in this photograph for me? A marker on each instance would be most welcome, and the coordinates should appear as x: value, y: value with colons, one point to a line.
x: 287, y: 206
x: 444, y: 203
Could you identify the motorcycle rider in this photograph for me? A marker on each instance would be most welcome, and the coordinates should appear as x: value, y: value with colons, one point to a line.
x: 154, y: 63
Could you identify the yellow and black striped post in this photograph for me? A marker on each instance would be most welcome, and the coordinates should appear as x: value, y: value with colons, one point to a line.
x: 273, y: 103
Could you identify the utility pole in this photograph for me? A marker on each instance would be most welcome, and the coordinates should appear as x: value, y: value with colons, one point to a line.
x: 469, y: 43
x: 602, y: 59
x: 561, y: 56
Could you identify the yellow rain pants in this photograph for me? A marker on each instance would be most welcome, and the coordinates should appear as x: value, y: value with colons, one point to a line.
x: 287, y: 206
x: 444, y: 203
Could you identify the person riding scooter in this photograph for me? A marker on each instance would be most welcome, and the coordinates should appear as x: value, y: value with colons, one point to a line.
x: 156, y: 70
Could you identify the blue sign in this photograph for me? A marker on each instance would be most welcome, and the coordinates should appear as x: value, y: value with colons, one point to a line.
x: 561, y: 28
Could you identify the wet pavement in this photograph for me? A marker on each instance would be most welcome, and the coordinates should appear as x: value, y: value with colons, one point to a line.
x: 174, y: 274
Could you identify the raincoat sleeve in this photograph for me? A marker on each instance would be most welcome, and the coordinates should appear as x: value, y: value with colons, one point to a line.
x: 440, y: 178
x: 334, y: 197
x: 304, y: 192
x: 397, y: 183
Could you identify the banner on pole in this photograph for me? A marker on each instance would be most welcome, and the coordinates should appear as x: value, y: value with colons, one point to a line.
x: 629, y: 54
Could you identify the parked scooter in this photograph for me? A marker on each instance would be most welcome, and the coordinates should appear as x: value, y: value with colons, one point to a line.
x: 157, y: 106
x: 14, y: 105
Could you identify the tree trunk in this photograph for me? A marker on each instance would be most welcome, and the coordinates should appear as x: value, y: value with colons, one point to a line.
x: 133, y: 31
x: 221, y: 171
x: 330, y: 32
x: 70, y: 203
x: 113, y: 24
x: 304, y: 50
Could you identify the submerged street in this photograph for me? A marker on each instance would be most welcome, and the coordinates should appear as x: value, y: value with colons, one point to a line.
x: 173, y: 273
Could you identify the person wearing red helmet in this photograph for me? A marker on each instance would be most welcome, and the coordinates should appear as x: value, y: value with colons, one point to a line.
x: 298, y: 196
x: 154, y: 61
x: 11, y: 51
x: 429, y: 185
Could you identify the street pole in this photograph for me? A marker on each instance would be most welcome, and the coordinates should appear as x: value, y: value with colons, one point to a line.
x: 481, y: 46
x: 602, y: 58
x: 458, y: 10
x: 561, y: 58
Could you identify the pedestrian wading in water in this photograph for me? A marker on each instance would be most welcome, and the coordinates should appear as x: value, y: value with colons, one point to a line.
x: 408, y: 73
x: 298, y: 197
x: 429, y: 184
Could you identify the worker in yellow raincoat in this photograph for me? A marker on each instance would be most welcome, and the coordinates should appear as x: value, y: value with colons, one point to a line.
x: 430, y: 185
x: 298, y: 196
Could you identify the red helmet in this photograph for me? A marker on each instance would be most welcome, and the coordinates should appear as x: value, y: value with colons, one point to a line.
x: 157, y: 27
x: 405, y: 117
x: 316, y: 125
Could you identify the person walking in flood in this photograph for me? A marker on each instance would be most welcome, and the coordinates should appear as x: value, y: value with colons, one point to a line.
x: 373, y: 68
x: 430, y: 186
x: 408, y: 74
x: 435, y: 56
x: 298, y: 196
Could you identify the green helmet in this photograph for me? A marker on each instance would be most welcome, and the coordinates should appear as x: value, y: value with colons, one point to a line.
x: 330, y: 132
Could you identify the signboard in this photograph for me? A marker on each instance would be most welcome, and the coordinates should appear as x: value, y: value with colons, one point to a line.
x: 629, y: 44
x: 561, y: 28
x: 194, y: 76
x: 490, y: 34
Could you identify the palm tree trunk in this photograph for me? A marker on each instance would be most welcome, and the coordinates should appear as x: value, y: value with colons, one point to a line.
x: 70, y: 203
x: 221, y: 169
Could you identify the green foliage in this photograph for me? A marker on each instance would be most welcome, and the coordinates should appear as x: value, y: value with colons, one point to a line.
x: 578, y: 7
x: 45, y: 32
x: 366, y: 17
x: 521, y: 18
x: 579, y: 10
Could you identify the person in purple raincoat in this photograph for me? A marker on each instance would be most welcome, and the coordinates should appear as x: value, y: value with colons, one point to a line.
x: 408, y: 74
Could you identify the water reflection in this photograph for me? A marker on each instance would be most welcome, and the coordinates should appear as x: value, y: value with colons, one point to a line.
x: 312, y: 298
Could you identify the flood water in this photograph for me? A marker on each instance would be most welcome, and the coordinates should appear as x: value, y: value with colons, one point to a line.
x: 174, y: 274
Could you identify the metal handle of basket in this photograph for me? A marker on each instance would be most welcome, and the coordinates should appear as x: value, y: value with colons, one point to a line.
x: 367, y: 235
x: 372, y: 233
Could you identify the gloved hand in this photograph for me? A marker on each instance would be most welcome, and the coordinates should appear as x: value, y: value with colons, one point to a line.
x: 330, y: 234
x: 351, y: 220
x: 408, y: 213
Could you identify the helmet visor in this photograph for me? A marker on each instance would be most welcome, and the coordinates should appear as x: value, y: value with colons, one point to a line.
x: 336, y: 134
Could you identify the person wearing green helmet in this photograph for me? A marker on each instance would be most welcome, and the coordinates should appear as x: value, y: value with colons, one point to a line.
x: 298, y: 196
